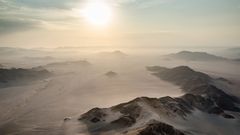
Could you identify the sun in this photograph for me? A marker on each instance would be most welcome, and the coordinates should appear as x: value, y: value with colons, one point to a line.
x: 97, y: 13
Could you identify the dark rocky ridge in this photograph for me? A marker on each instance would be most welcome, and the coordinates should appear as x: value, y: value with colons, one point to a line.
x: 182, y: 76
x: 18, y: 75
x: 198, y: 86
x: 195, y: 56
x: 201, y: 95
x: 160, y: 128
x: 113, y: 54
x: 111, y: 74
x: 132, y: 112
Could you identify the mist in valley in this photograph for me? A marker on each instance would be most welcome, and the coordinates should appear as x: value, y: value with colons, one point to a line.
x: 81, y: 80
x: 119, y: 67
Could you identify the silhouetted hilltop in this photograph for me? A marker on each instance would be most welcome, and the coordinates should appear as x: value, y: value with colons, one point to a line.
x: 160, y: 129
x: 111, y: 74
x: 183, y: 76
x: 195, y: 56
x: 19, y: 74
x: 113, y: 54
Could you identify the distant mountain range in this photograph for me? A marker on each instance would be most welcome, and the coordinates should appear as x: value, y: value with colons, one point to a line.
x: 113, y: 54
x: 68, y: 63
x: 197, y: 84
x: 168, y: 115
x: 15, y: 75
x: 195, y: 56
x: 5, y: 51
x: 183, y: 76
x: 43, y: 58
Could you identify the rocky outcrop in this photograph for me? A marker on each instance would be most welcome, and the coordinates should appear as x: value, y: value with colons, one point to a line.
x: 124, y: 116
x: 19, y: 75
x: 200, y: 89
x: 113, y: 54
x: 195, y: 56
x: 160, y: 128
x: 183, y: 76
x: 111, y: 74
x: 142, y: 116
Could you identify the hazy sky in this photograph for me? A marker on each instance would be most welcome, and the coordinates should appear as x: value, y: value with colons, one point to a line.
x: 138, y: 23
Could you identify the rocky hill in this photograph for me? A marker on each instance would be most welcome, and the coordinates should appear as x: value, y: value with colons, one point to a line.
x: 195, y: 56
x: 113, y: 54
x: 182, y: 76
x: 111, y: 74
x: 13, y: 75
x: 161, y: 116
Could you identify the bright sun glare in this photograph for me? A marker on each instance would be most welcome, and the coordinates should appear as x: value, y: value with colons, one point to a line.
x: 97, y: 13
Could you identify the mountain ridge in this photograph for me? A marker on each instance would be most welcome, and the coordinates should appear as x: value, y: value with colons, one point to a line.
x: 14, y: 75
x: 151, y: 116
x: 195, y: 56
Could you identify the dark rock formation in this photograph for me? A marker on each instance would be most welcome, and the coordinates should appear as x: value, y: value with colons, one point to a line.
x: 201, y: 95
x: 160, y: 129
x: 111, y: 74
x: 113, y: 54
x: 124, y: 121
x: 183, y: 76
x: 195, y: 56
x: 94, y: 115
x: 19, y: 74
